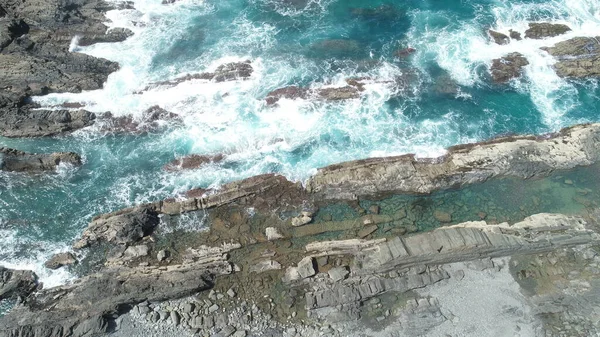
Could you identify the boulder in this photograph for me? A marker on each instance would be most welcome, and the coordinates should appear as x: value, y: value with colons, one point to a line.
x: 508, y: 67
x: 150, y: 121
x: 60, y: 260
x: 272, y: 234
x: 515, y: 35
x: 498, y: 37
x: 121, y: 228
x: 306, y: 267
x: 441, y: 216
x: 541, y: 30
x: 17, y: 161
x: 17, y: 283
x: 578, y: 57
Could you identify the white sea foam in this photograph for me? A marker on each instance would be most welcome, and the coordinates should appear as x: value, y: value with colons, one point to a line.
x: 463, y: 50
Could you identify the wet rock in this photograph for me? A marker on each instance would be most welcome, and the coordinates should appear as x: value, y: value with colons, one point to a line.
x: 120, y: 228
x: 291, y: 92
x: 60, y: 260
x: 339, y: 273
x: 42, y: 123
x: 150, y: 120
x: 508, y: 67
x: 194, y: 161
x: 498, y: 37
x: 338, y: 94
x: 541, y: 30
x: 515, y: 35
x: 233, y: 71
x: 381, y: 12
x: 442, y: 216
x: 113, y: 35
x: 17, y: 161
x: 17, y: 283
x: 578, y: 57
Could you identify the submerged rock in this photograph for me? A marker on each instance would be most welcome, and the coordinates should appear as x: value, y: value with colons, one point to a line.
x: 337, y: 48
x: 60, y: 260
x: 578, y: 57
x: 339, y: 93
x: 18, y: 161
x: 508, y: 67
x: 541, y: 30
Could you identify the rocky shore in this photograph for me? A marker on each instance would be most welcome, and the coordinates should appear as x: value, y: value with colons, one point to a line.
x: 271, y: 263
x: 35, y: 41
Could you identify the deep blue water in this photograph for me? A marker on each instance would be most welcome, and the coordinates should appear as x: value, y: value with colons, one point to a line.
x: 447, y: 99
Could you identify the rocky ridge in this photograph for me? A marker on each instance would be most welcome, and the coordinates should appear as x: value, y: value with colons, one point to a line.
x: 18, y: 161
x: 277, y: 266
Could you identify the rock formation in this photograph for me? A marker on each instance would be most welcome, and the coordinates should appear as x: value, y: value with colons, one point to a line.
x: 508, y: 67
x: 541, y: 30
x: 34, y: 52
x: 18, y: 161
x: 578, y: 57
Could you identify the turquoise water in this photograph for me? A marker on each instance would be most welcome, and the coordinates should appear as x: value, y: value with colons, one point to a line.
x: 447, y: 99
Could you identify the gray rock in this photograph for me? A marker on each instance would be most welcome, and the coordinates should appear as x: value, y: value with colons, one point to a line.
x: 18, y: 161
x: 17, y: 283
x: 338, y: 274
x: 578, y: 57
x: 188, y: 308
x: 134, y: 252
x: 162, y: 255
x: 306, y: 267
x: 175, y: 318
x: 60, y: 260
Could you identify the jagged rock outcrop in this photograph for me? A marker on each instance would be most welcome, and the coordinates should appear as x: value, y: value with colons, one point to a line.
x: 541, y: 30
x: 521, y: 156
x: 35, y: 37
x: 121, y: 228
x: 17, y: 161
x: 151, y: 120
x: 17, y: 283
x: 225, y: 72
x: 508, y: 67
x: 60, y: 260
x: 578, y: 57
x: 498, y: 37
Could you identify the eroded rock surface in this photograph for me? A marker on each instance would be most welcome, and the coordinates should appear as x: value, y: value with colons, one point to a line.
x: 508, y: 67
x: 18, y: 161
x: 34, y: 53
x: 541, y: 30
x: 17, y: 283
x: 578, y: 57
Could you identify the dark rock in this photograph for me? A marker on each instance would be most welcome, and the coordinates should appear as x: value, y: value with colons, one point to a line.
x: 508, y: 67
x: 291, y: 92
x: 543, y: 30
x: 233, y: 71
x: 150, y: 121
x: 60, y: 260
x: 17, y: 283
x: 113, y: 35
x: 381, y: 12
x: 498, y: 37
x: 124, y: 228
x: 515, y: 35
x: 578, y: 57
x: 18, y: 161
x: 193, y: 162
x: 35, y: 38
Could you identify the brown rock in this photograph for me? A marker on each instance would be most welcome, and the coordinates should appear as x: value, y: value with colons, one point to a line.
x: 508, y: 67
x: 498, y: 37
x: 291, y: 92
x: 442, y: 216
x: 60, y: 260
x: 541, y: 30
x: 193, y: 162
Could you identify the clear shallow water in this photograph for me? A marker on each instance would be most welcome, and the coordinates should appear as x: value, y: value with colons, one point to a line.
x: 448, y: 100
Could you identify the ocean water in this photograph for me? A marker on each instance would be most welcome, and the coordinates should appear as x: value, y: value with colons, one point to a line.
x: 448, y: 99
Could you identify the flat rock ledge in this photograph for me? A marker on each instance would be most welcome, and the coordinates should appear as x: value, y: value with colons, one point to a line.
x: 18, y: 161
